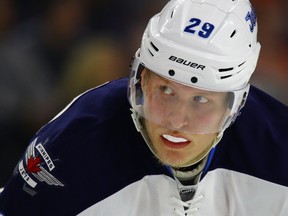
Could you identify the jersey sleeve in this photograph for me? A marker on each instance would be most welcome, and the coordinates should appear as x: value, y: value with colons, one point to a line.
x: 57, y: 173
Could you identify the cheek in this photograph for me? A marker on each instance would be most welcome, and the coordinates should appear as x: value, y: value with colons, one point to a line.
x: 205, y: 140
x: 155, y: 108
x: 209, y: 119
x: 153, y: 134
x: 212, y: 119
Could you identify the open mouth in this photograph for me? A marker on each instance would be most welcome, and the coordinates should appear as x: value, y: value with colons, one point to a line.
x: 174, y: 142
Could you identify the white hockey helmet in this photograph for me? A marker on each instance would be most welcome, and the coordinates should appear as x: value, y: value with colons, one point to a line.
x: 205, y: 44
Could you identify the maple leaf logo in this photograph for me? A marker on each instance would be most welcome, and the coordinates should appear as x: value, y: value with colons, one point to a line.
x: 33, y: 165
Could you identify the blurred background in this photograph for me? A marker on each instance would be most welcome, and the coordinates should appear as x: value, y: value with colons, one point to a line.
x: 52, y: 50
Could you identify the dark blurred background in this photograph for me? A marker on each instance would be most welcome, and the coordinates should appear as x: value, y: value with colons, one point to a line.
x: 52, y: 50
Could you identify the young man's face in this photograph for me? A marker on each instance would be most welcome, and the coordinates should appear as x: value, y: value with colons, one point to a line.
x: 181, y: 121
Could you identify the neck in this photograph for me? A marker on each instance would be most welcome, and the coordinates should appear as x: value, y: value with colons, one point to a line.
x: 190, y: 174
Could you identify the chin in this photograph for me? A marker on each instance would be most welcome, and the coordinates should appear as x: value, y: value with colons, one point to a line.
x: 172, y: 158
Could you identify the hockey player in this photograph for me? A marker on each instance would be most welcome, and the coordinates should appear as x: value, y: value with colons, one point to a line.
x: 189, y: 80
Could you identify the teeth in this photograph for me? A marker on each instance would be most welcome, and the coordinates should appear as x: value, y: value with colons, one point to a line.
x: 174, y: 139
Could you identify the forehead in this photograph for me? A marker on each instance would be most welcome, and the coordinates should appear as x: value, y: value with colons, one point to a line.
x: 155, y: 79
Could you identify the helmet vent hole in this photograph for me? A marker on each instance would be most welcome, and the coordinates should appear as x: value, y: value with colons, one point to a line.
x: 151, y: 53
x: 233, y: 33
x: 224, y: 77
x: 194, y: 79
x: 172, y: 13
x: 245, y: 95
x: 225, y: 69
x: 154, y: 47
x: 171, y: 72
x: 241, y: 64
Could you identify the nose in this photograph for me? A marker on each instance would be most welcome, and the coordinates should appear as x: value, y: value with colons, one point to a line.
x: 178, y: 118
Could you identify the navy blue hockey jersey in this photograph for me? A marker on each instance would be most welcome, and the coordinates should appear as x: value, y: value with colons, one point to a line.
x: 90, y: 160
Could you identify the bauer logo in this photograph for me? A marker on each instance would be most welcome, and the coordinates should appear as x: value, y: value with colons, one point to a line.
x: 37, y: 166
x: 186, y: 62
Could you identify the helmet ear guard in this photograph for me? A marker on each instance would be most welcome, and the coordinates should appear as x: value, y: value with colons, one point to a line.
x: 239, y: 100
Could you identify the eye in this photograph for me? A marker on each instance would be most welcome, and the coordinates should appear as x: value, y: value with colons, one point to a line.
x: 166, y: 90
x: 200, y: 99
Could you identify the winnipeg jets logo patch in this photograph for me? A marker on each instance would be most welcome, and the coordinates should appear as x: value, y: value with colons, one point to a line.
x: 37, y: 165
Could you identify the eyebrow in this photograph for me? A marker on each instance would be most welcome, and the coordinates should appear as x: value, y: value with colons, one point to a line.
x: 197, y: 91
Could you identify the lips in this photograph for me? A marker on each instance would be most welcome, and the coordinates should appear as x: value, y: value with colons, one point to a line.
x: 174, y: 141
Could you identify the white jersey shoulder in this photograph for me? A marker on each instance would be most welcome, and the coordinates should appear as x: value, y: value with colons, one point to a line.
x: 222, y: 192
